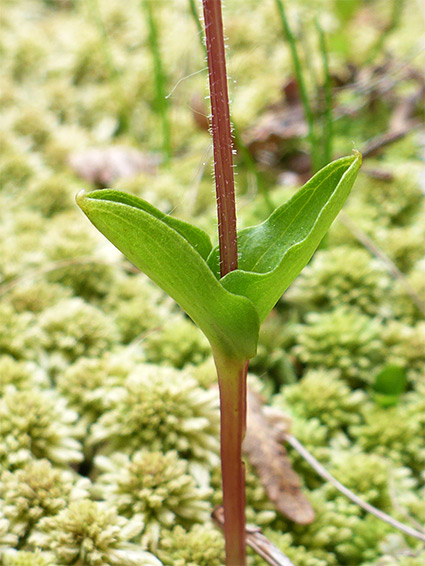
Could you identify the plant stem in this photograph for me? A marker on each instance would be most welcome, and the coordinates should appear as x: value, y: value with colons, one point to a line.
x: 232, y: 382
x: 222, y: 137
x: 301, y: 84
x: 160, y: 94
x: 247, y: 159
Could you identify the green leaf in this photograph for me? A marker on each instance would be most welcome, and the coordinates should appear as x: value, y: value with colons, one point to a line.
x: 195, y: 236
x: 172, y: 253
x: 272, y: 254
x: 389, y: 384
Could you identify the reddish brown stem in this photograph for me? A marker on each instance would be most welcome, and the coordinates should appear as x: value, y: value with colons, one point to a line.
x: 222, y: 137
x: 232, y: 381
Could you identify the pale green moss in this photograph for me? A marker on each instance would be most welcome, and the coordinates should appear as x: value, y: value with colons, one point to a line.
x: 37, y: 490
x: 399, y: 435
x: 89, y: 383
x: 403, y: 558
x: 73, y: 328
x: 299, y: 555
x: 52, y: 195
x: 403, y: 306
x: 136, y: 305
x: 25, y: 558
x: 35, y: 124
x: 8, y: 540
x: 90, y: 276
x: 91, y: 534
x: 20, y: 374
x: 36, y: 424
x: 18, y: 333
x: 154, y: 486
x: 344, y: 340
x: 321, y: 394
x: 35, y: 296
x: 404, y: 245
x: 161, y: 409
x: 178, y: 342
x: 396, y: 201
x: 406, y: 347
x: 342, y: 276
x: 341, y: 528
x: 370, y: 476
x: 203, y: 545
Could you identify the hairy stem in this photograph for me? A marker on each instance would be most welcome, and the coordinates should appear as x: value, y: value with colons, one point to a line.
x: 222, y: 137
x: 232, y: 383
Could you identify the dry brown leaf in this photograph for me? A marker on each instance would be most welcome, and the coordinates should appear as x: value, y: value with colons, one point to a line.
x: 267, y: 455
x: 103, y: 166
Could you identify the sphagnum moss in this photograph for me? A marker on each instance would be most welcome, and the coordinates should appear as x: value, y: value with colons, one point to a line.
x: 161, y: 409
x: 92, y: 534
x: 155, y: 486
x: 36, y: 491
x: 37, y: 425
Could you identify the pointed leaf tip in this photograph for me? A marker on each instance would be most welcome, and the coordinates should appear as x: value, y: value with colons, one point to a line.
x: 273, y: 253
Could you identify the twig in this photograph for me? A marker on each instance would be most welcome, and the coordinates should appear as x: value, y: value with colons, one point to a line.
x: 317, y: 466
x: 398, y: 507
x: 363, y: 238
x: 387, y: 138
x: 257, y: 541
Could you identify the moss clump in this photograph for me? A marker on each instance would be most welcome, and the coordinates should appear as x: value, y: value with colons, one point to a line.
x: 403, y: 558
x: 177, y: 343
x: 20, y: 375
x: 88, y: 275
x: 341, y: 528
x: 406, y: 345
x: 345, y: 340
x: 91, y: 534
x: 342, y: 276
x: 201, y: 546
x: 298, y: 554
x: 37, y: 490
x: 161, y: 409
x: 367, y: 475
x: 36, y: 424
x: 51, y: 195
x: 136, y: 305
x: 89, y: 383
x: 73, y: 328
x: 35, y: 296
x: 8, y: 540
x: 26, y: 558
x: 321, y: 394
x: 18, y: 333
x: 404, y: 245
x: 403, y: 306
x: 154, y: 486
x: 399, y: 435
